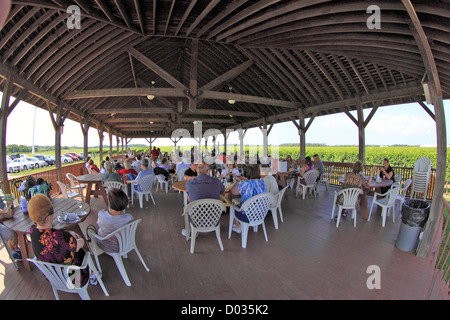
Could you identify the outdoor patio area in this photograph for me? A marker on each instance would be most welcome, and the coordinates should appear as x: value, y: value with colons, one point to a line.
x: 306, y: 258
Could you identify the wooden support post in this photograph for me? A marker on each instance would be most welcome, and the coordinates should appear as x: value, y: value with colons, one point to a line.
x: 100, y: 131
x: 432, y: 224
x: 361, y: 132
x: 3, y: 122
x: 84, y: 130
x: 58, y: 123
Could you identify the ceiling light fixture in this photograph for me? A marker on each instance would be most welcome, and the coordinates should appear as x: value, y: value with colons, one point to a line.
x: 151, y: 96
x: 231, y: 101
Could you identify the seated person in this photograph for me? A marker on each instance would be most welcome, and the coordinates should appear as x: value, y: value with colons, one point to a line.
x: 203, y: 185
x: 93, y: 167
x: 386, y: 173
x: 354, y: 179
x: 190, y: 172
x: 145, y: 171
x: 103, y: 170
x: 247, y: 187
x: 110, y: 175
x: 54, y: 245
x: 305, y: 168
x: 230, y: 170
x: 318, y: 164
x: 127, y: 169
x: 109, y: 221
x: 165, y: 165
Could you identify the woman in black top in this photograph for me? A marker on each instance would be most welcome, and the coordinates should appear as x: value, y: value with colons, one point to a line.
x: 386, y: 173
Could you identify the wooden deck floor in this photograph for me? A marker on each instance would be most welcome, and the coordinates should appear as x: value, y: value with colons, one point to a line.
x: 306, y: 258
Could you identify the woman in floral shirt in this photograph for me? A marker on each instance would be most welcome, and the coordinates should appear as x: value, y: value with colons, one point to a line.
x: 251, y: 186
x: 356, y: 179
x: 52, y: 245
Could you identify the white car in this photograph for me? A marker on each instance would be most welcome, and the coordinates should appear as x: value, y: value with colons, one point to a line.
x: 12, y: 167
x: 65, y: 159
x: 24, y: 163
x: 37, y: 163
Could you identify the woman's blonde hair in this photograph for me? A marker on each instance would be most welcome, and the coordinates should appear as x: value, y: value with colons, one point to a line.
x: 127, y: 164
x: 39, y: 208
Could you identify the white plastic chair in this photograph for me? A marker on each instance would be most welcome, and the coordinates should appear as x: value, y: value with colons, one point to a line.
x: 275, y: 207
x: 59, y: 276
x: 114, y: 184
x: 126, y: 236
x: 271, y: 183
x: 161, y: 181
x: 311, y: 180
x: 204, y: 216
x: 5, y: 244
x: 421, y: 177
x: 180, y: 174
x: 146, y: 183
x: 73, y: 184
x: 387, y: 203
x: 66, y: 193
x: 325, y: 178
x: 402, y: 191
x: 350, y: 199
x: 256, y: 209
x: 397, y: 178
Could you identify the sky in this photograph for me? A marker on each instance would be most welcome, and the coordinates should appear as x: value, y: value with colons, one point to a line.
x: 406, y: 124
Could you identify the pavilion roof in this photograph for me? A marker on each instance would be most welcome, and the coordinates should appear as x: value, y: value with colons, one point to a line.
x: 279, y: 60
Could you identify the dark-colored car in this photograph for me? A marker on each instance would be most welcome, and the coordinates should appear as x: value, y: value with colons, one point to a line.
x: 14, y: 156
x: 47, y: 159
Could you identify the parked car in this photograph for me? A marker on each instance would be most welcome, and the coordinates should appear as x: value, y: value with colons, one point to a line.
x: 77, y: 156
x: 24, y: 163
x: 65, y: 159
x: 69, y: 155
x: 12, y: 167
x: 14, y: 156
x: 45, y: 158
x: 37, y: 163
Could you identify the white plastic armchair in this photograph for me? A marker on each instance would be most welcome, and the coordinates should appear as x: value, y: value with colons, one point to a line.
x: 402, y: 191
x: 311, y: 180
x: 161, y: 181
x: 271, y: 183
x: 59, y: 276
x: 126, y: 237
x: 350, y: 196
x: 256, y: 209
x: 386, y: 201
x: 146, y: 184
x: 65, y: 192
x: 275, y: 207
x: 325, y: 178
x: 204, y: 216
x: 73, y: 184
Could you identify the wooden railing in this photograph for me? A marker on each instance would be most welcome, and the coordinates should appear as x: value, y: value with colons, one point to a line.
x: 50, y: 176
x: 341, y: 168
x: 441, y: 258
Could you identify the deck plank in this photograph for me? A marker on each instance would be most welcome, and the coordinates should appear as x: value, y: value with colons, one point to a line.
x: 306, y: 258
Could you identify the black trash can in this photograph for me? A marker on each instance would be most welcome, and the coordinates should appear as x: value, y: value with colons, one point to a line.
x: 414, y: 216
